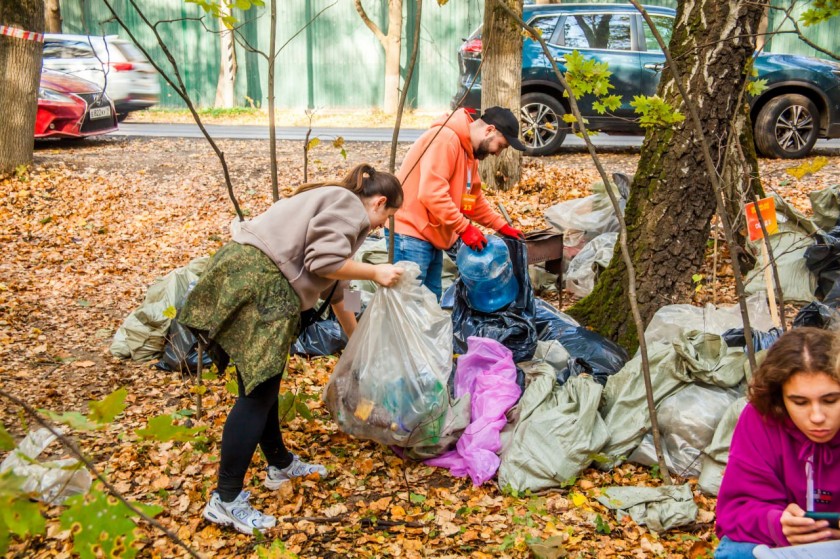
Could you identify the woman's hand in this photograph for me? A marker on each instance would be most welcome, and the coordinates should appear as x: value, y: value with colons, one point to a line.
x: 798, y: 529
x: 387, y: 275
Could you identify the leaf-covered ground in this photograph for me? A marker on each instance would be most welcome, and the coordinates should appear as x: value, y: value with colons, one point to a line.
x: 95, y: 222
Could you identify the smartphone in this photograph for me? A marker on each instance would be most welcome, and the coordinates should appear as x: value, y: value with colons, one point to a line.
x: 832, y: 517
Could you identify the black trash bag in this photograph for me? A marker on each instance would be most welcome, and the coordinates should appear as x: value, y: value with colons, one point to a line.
x: 823, y: 259
x: 590, y: 353
x: 324, y: 337
x: 181, y: 350
x: 447, y: 301
x: 734, y: 337
x: 818, y: 315
x: 550, y: 322
x: 511, y: 326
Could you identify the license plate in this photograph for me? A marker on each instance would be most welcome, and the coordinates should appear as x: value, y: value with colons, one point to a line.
x: 100, y: 112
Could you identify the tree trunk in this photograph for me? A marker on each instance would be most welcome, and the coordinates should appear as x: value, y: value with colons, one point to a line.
x: 501, y: 76
x: 53, y: 16
x: 225, y: 89
x: 20, y: 66
x: 393, y: 48
x: 672, y: 201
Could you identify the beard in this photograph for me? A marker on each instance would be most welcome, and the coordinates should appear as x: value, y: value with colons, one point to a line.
x: 483, y: 149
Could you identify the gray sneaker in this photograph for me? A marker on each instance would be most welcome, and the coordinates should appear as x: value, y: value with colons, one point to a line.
x: 238, y: 513
x: 298, y: 468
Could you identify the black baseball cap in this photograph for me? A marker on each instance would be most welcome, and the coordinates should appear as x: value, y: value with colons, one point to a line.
x: 506, y: 123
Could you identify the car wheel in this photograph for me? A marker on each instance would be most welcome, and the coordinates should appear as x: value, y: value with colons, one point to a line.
x: 542, y: 127
x: 787, y: 127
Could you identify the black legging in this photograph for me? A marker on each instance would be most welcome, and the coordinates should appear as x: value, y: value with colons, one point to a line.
x: 252, y: 420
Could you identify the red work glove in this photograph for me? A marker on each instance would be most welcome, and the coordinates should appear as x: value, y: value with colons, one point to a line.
x: 509, y: 231
x: 474, y: 238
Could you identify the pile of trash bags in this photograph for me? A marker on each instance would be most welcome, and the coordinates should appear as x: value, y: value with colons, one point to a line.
x: 534, y: 397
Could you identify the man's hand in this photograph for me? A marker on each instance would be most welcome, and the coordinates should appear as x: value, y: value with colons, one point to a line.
x: 509, y: 231
x: 387, y: 275
x: 474, y: 238
x: 798, y: 529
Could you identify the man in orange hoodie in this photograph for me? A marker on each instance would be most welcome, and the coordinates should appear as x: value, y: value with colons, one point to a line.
x: 442, y: 189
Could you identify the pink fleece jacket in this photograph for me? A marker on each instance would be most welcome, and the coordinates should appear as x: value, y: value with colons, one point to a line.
x: 767, y: 471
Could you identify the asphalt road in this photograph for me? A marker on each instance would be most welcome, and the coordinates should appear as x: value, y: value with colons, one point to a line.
x: 243, y: 132
x: 290, y: 133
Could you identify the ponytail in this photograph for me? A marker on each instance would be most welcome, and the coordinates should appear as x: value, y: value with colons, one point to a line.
x: 364, y: 181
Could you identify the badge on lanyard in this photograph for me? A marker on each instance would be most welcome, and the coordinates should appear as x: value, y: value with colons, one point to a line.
x: 468, y: 198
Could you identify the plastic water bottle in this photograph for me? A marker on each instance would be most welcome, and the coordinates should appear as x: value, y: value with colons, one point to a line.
x: 488, y: 275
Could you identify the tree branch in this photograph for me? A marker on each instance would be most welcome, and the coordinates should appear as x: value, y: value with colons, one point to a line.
x: 180, y: 89
x: 74, y: 450
x: 370, y: 25
x: 622, y: 241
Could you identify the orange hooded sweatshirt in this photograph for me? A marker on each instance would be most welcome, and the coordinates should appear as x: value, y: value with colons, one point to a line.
x: 433, y: 188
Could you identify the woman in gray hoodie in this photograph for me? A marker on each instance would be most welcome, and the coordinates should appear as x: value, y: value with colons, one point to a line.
x: 247, y: 306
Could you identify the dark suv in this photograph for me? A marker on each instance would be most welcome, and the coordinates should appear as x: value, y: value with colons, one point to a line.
x: 800, y: 104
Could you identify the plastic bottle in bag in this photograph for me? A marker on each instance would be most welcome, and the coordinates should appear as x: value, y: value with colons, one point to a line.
x: 488, y: 275
x: 408, y: 404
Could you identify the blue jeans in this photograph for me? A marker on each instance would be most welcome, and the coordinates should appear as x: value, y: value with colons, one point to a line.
x: 429, y: 258
x: 728, y: 549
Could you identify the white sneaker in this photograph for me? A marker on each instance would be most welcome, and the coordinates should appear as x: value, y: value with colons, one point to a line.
x: 298, y: 468
x: 238, y: 513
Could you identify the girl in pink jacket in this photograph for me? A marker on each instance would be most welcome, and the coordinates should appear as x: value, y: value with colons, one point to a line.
x: 785, y: 456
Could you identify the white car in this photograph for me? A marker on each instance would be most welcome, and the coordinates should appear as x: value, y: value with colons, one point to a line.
x: 113, y: 63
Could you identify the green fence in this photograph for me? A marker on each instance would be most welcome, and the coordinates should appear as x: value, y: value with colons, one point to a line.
x: 333, y: 62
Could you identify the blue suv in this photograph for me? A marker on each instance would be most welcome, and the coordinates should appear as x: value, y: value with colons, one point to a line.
x: 800, y: 104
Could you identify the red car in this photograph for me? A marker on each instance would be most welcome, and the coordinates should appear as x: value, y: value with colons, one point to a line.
x: 70, y: 107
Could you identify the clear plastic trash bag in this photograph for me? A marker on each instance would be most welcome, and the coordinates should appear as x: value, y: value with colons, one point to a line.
x: 390, y: 384
x: 53, y: 481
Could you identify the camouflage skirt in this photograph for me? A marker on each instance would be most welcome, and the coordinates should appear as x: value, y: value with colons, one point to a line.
x: 247, y: 307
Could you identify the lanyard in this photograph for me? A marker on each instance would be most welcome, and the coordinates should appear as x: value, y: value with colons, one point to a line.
x: 469, y: 179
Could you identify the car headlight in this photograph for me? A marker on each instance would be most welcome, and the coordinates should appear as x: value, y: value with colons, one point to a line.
x: 54, y: 96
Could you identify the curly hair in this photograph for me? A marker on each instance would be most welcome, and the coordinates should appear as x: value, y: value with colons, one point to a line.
x: 801, y: 350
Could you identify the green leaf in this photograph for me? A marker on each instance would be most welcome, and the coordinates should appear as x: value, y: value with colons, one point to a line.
x: 102, y: 525
x: 107, y: 409
x: 18, y: 513
x: 163, y: 428
x: 820, y: 11
x: 312, y: 143
x: 83, y: 303
x: 73, y: 419
x: 601, y: 526
x: 697, y: 278
x: 7, y: 442
x: 303, y: 410
x: 170, y: 312
x: 756, y: 87
x: 21, y: 516
x: 416, y: 498
x: 343, y: 153
x: 286, y: 406
x: 232, y: 387
x: 655, y: 112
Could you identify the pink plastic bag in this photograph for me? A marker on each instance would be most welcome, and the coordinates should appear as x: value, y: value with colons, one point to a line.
x: 488, y: 373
